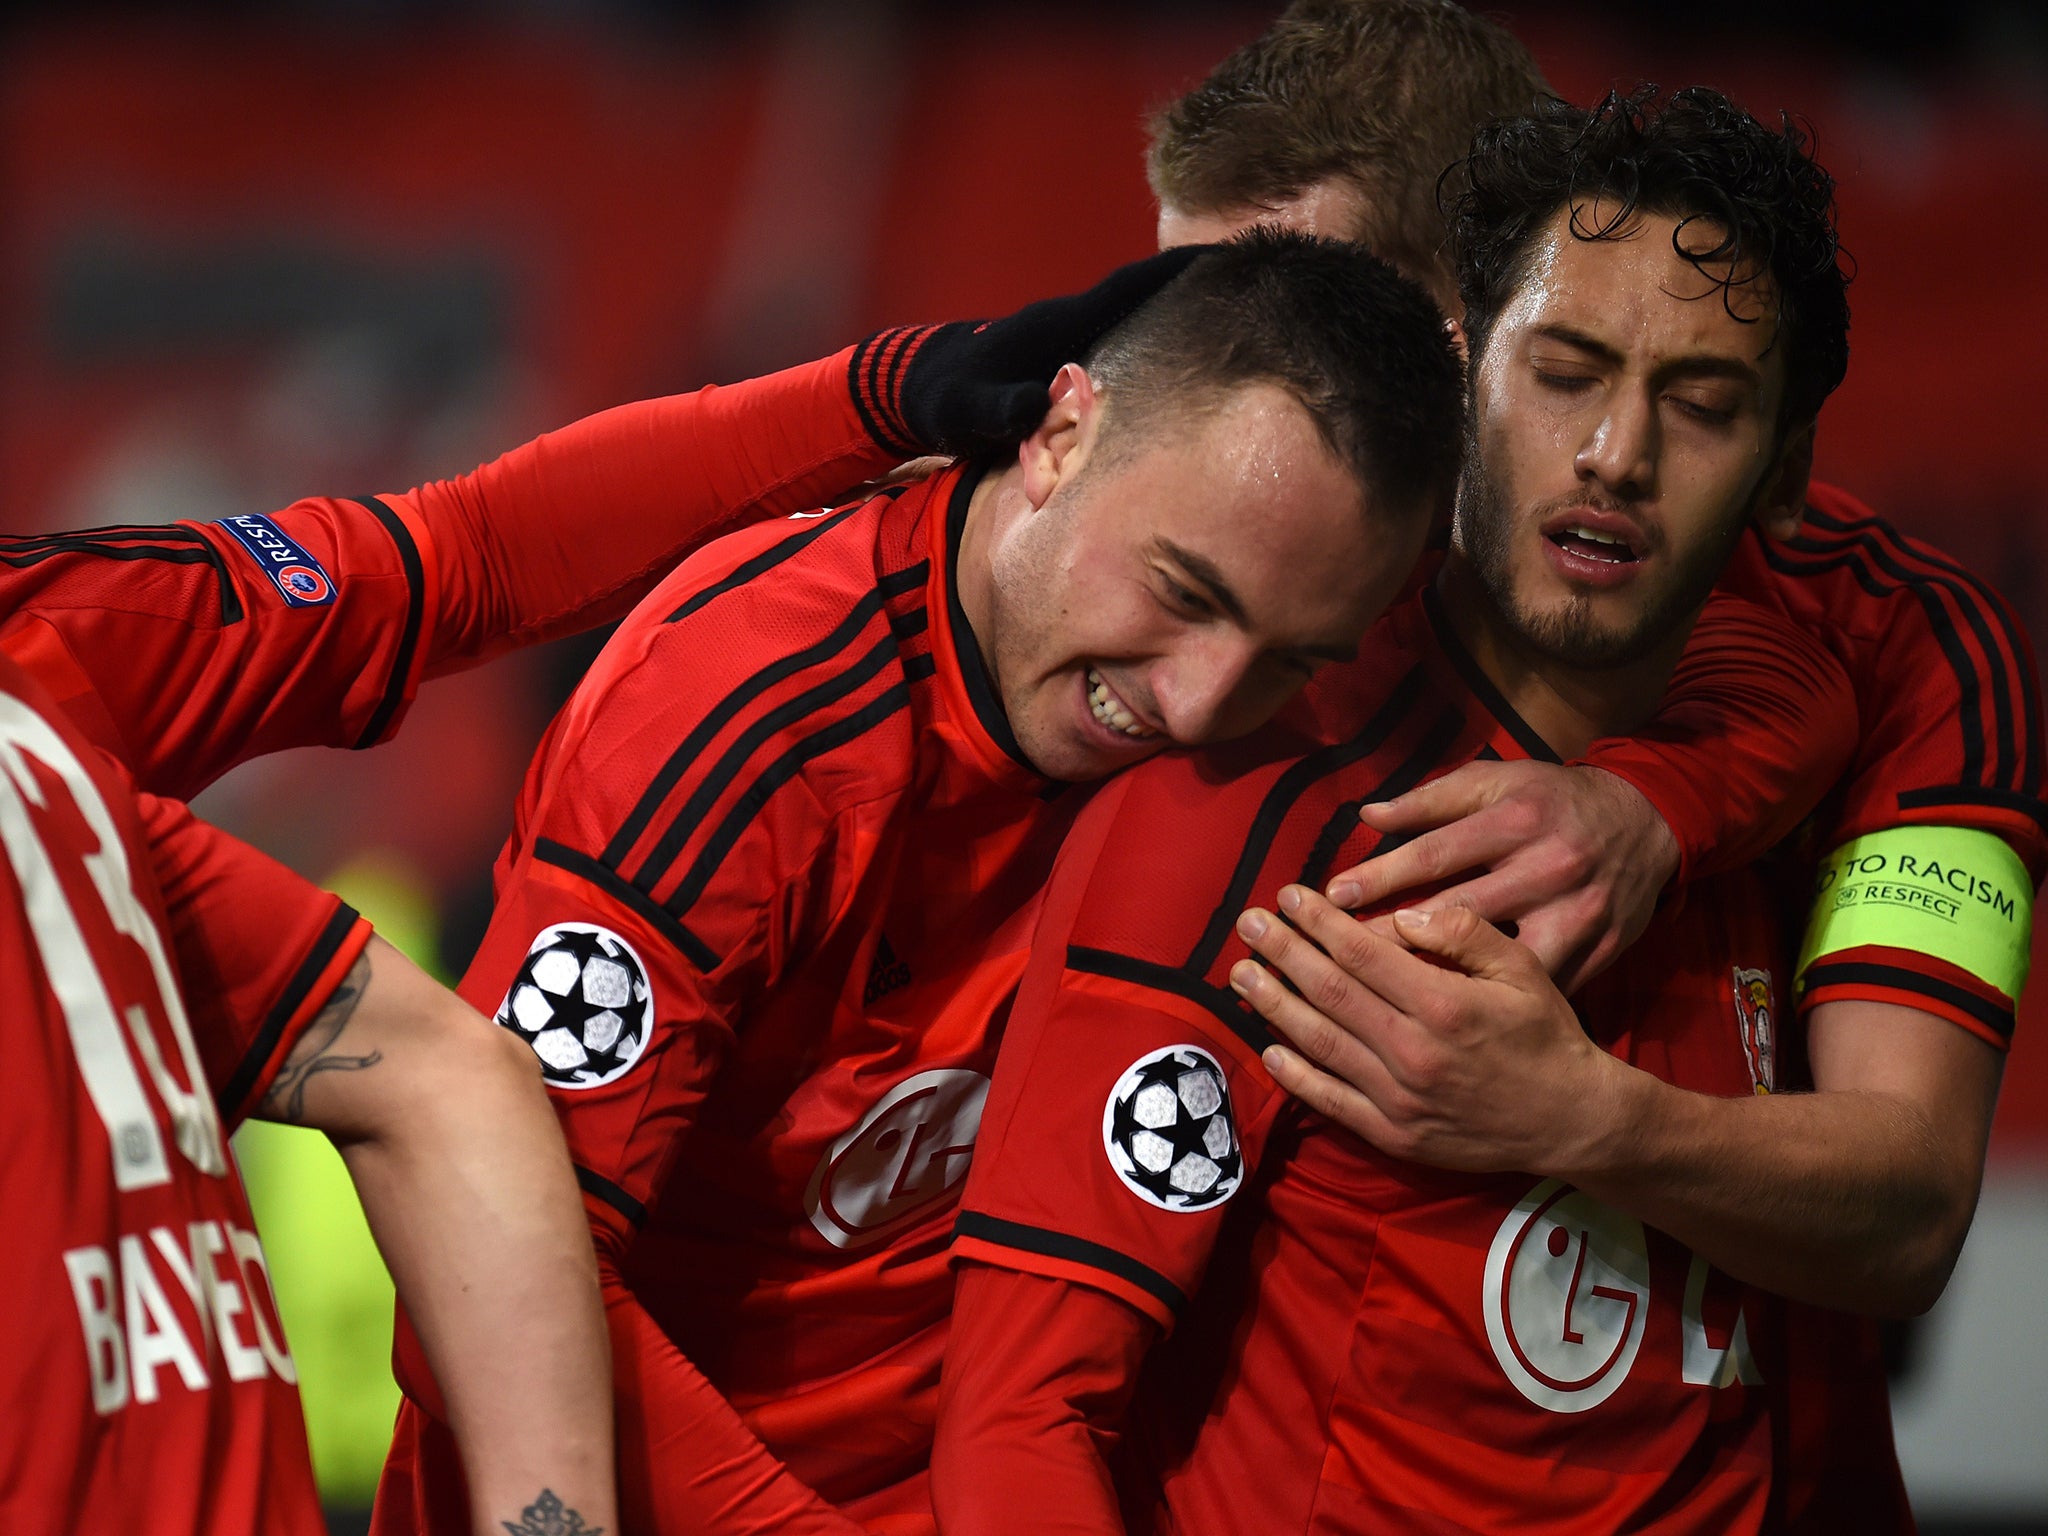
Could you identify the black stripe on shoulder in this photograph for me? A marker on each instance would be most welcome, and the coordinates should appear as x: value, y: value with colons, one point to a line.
x: 1075, y: 1250
x: 2026, y: 805
x: 415, y: 612
x: 1871, y: 974
x: 1315, y: 869
x: 599, y: 1187
x: 1230, y: 1012
x: 1996, y: 612
x: 720, y: 776
x: 786, y: 767
x: 767, y: 560
x: 719, y: 716
x: 288, y: 1003
x: 1280, y: 800
x: 140, y: 539
x: 1865, y: 542
x: 608, y: 880
x: 168, y: 544
x: 1790, y: 559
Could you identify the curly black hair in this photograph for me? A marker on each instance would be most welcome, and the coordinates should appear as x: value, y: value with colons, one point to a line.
x: 1695, y: 156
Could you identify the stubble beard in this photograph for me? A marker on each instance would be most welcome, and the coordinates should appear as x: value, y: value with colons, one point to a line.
x: 1568, y: 633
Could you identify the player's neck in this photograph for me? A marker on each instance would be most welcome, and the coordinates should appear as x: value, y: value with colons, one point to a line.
x: 1569, y: 707
x: 991, y: 506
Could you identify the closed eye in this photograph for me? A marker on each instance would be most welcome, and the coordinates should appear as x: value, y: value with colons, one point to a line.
x: 1713, y: 416
x: 1184, y: 600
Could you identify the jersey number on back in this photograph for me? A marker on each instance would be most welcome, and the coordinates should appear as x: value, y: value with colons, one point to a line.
x: 108, y: 1042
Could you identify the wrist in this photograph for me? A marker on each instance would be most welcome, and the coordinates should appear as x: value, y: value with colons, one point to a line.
x: 1653, y: 798
x: 1617, y: 1107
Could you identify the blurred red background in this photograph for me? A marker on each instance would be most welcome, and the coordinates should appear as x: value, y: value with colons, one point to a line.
x: 357, y: 244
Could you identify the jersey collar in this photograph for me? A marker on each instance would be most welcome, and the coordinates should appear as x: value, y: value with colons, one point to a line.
x: 960, y: 652
x: 1478, y: 684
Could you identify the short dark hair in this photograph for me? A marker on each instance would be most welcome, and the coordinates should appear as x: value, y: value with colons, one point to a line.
x: 1383, y: 94
x: 1362, y: 348
x: 1694, y: 156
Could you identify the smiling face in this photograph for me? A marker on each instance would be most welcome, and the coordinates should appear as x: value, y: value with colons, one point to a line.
x: 1150, y: 591
x: 1623, y: 432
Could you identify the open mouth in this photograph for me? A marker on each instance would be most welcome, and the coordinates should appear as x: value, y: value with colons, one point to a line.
x: 1594, y: 544
x: 1111, y: 712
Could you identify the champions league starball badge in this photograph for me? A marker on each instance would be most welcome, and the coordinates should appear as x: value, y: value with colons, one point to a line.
x: 582, y: 1001
x: 1170, y: 1133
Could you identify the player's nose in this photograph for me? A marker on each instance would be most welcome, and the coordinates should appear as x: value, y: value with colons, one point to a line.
x: 1620, y: 447
x: 1200, y: 689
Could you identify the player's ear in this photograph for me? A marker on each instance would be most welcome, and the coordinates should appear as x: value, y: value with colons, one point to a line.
x: 1051, y: 454
x: 1783, y: 502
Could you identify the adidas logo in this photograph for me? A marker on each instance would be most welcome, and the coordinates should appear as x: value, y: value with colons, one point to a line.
x: 888, y: 974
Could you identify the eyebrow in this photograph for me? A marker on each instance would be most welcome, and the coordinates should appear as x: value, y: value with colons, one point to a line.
x: 1203, y: 571
x: 1697, y: 365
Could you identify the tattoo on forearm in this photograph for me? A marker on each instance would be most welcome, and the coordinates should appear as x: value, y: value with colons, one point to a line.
x: 546, y: 1516
x: 314, y: 1053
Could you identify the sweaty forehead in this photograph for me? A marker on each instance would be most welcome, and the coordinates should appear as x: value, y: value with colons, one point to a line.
x: 1250, y: 490
x: 1217, y: 455
x: 1636, y: 287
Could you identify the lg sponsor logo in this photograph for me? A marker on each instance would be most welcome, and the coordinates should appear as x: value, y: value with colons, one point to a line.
x: 1567, y: 1300
x: 909, y: 1151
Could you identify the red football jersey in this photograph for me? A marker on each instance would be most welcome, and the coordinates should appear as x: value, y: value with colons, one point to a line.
x: 1378, y: 1344
x: 148, y: 1381
x: 769, y: 890
x: 187, y: 648
x: 1949, y: 732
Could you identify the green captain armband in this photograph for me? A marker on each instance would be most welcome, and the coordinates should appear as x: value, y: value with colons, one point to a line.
x: 1958, y: 895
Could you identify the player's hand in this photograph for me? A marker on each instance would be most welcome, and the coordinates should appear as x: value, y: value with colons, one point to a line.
x: 1434, y: 1037
x: 978, y: 384
x: 1574, y: 857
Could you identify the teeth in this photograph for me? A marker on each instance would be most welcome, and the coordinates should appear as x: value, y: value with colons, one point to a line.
x: 1597, y: 538
x: 1107, y: 708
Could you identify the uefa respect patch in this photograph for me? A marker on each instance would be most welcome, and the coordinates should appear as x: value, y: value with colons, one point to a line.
x: 300, y: 579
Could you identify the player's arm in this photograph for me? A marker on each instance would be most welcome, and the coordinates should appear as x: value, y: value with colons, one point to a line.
x: 213, y: 643
x: 301, y: 1016
x: 657, y: 888
x: 685, y: 1460
x: 187, y: 649
x: 457, y: 1159
x: 1758, y: 722
x: 1856, y: 1195
x: 1128, y: 1107
x: 1038, y: 1374
x: 571, y: 530
x: 1916, y: 950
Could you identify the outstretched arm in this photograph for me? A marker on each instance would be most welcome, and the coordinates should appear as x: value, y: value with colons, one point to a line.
x: 456, y: 1155
x: 186, y: 649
